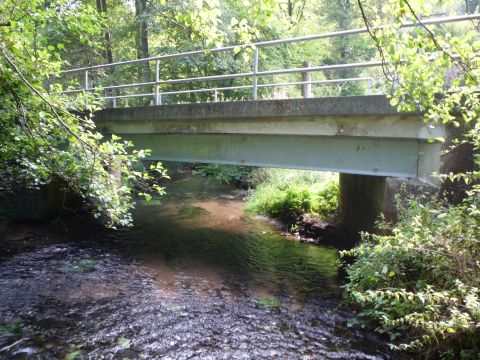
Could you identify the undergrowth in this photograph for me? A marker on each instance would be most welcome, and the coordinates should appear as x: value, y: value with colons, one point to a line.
x: 227, y: 174
x: 285, y: 194
x: 421, y: 284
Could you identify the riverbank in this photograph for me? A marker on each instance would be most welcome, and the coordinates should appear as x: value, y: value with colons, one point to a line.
x: 303, y: 203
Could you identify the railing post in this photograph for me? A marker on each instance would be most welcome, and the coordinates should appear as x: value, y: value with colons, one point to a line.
x: 114, y: 102
x: 369, y: 86
x: 215, y: 95
x: 86, y: 87
x: 158, y: 98
x: 255, y: 71
x: 306, y: 78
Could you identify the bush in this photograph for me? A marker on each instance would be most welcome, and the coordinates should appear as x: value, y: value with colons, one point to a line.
x: 421, y: 282
x: 288, y: 193
x: 227, y: 174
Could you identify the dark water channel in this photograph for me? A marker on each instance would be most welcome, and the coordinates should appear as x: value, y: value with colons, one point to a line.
x: 197, y: 278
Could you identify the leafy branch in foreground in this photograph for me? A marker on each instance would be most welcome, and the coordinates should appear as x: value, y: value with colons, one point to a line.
x: 40, y: 137
x: 421, y: 283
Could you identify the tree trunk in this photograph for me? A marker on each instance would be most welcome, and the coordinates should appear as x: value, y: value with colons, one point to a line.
x: 102, y: 9
x: 142, y: 37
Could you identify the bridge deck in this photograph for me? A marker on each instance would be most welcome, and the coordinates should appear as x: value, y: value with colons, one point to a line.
x: 359, y: 134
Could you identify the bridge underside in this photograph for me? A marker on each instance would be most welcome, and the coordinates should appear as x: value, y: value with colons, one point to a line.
x: 380, y: 157
x: 353, y: 135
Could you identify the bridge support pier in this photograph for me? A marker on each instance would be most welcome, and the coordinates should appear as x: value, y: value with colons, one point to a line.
x: 363, y: 198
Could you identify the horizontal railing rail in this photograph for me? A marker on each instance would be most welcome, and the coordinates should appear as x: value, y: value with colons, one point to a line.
x: 369, y: 80
x: 254, y: 75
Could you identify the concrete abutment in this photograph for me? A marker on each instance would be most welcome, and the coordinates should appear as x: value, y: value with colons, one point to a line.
x: 364, y: 198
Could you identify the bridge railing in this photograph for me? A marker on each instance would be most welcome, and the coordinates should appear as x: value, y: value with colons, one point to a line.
x: 112, y: 93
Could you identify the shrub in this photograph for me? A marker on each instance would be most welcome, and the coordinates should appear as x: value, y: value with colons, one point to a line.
x: 422, y: 281
x: 228, y: 174
x: 288, y: 193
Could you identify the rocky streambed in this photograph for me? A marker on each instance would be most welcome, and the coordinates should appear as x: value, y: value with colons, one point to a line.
x: 196, y: 278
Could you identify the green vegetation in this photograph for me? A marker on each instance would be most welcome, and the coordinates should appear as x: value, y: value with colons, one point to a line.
x: 269, y: 302
x: 148, y: 28
x: 227, y: 174
x: 421, y: 283
x: 280, y: 193
x: 41, y: 138
x: 285, y: 194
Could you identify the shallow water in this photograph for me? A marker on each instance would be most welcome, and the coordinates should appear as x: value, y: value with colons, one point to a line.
x: 197, y: 278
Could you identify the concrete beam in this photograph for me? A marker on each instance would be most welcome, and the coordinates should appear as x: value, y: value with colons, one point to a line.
x: 341, y: 154
x: 354, y: 135
x: 364, y: 116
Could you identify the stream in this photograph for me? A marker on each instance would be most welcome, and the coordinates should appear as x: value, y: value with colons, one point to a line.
x: 196, y: 278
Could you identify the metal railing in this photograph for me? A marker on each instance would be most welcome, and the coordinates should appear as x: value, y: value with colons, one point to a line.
x: 255, y: 74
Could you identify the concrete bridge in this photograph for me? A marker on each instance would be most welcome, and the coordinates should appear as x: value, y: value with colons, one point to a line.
x: 362, y: 137
x: 354, y: 135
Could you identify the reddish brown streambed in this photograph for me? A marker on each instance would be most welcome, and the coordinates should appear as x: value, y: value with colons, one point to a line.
x: 195, y: 279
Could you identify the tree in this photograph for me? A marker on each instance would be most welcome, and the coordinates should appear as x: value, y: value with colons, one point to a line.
x: 421, y: 283
x: 40, y: 138
x: 142, y: 36
x: 345, y: 15
x: 103, y: 10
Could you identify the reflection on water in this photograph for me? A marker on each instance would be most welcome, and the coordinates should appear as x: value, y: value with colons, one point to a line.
x: 200, y: 237
x: 197, y: 278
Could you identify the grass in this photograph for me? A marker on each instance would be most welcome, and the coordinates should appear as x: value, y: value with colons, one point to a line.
x: 285, y: 194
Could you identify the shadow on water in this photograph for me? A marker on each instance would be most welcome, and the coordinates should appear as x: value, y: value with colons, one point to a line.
x: 197, y: 278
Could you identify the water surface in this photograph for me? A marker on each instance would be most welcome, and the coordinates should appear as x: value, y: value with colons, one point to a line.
x: 197, y: 278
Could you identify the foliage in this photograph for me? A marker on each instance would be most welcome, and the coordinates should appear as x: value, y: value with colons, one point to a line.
x: 180, y: 26
x: 228, y: 174
x: 421, y: 283
x: 41, y: 138
x: 288, y: 193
